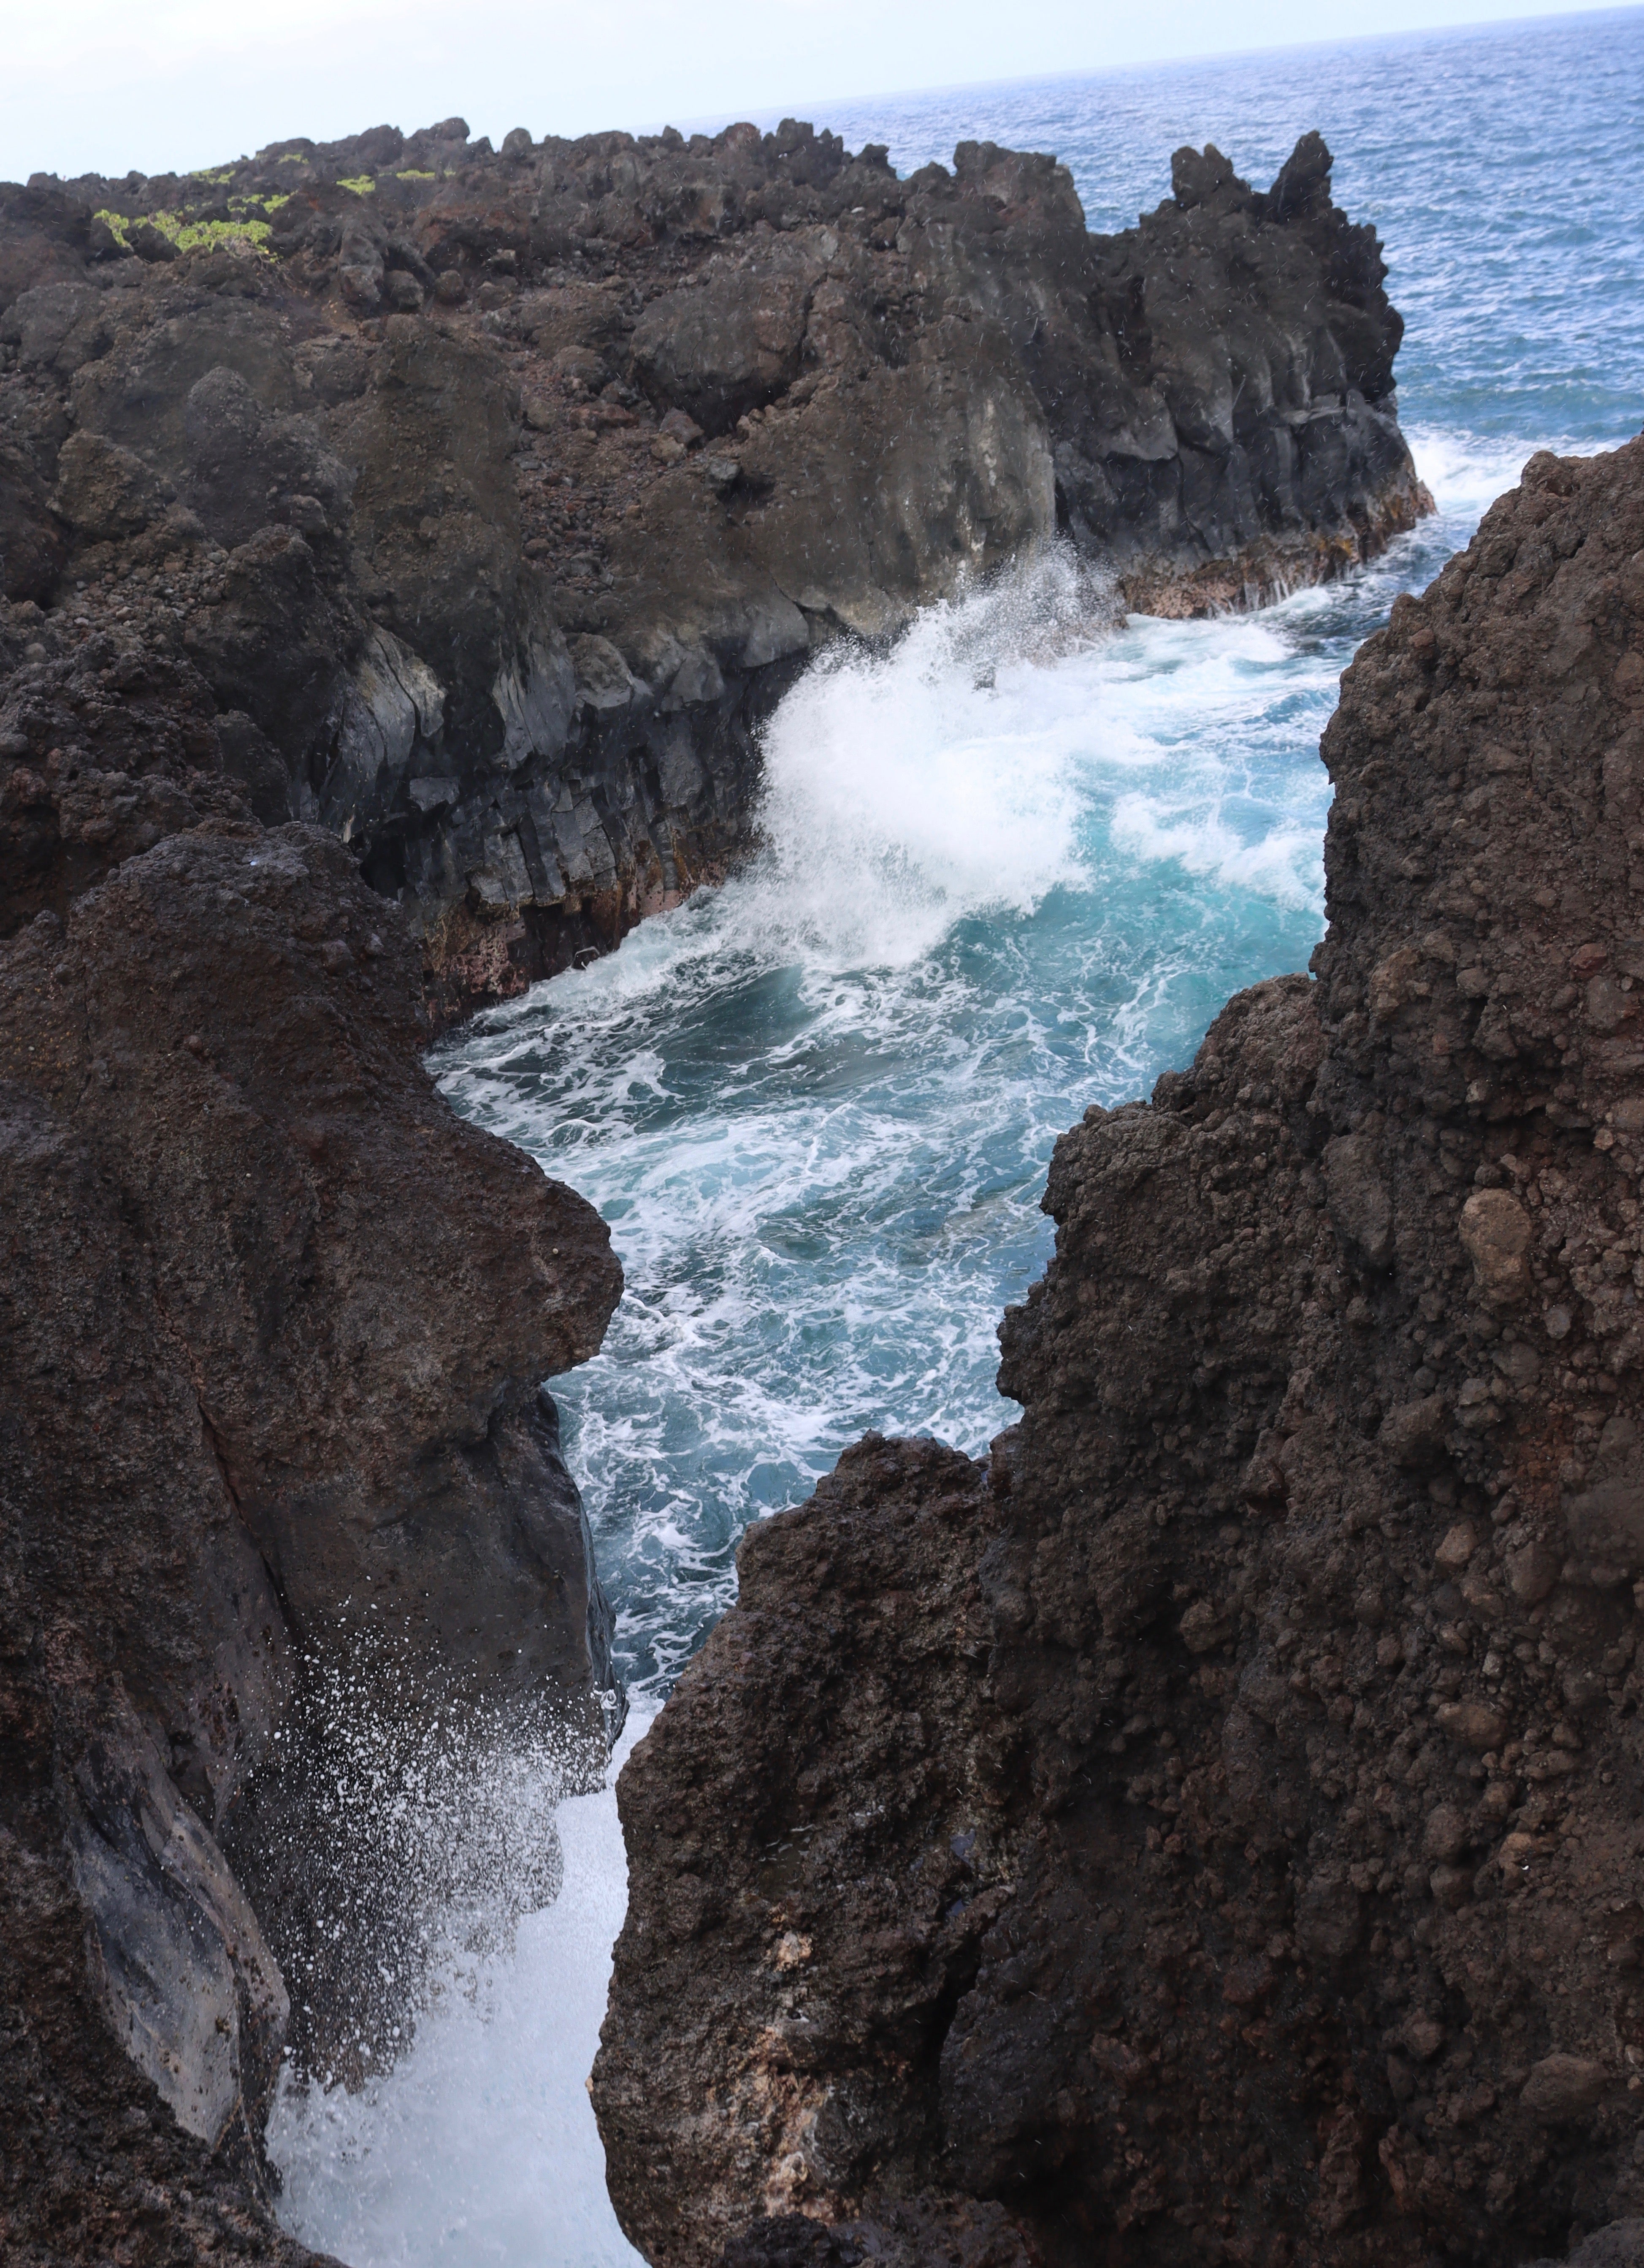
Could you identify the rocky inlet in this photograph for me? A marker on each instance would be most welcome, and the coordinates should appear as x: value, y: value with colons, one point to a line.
x: 402, y: 542
x: 1210, y: 1830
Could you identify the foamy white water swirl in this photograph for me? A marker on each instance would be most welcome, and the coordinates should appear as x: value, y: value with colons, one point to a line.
x: 1012, y: 864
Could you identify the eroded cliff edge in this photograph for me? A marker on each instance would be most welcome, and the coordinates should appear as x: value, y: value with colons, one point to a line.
x: 272, y: 1325
x: 1212, y: 1829
x: 497, y: 496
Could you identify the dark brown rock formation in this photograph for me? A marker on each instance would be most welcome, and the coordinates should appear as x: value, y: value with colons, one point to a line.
x: 1212, y: 1830
x: 274, y: 1323
x: 501, y: 494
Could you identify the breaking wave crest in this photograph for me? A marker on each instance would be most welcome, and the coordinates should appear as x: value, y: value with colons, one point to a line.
x: 909, y: 787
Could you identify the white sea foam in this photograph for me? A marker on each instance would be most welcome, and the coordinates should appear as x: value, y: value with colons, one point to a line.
x: 1466, y: 472
x: 907, y: 789
x: 480, y: 2144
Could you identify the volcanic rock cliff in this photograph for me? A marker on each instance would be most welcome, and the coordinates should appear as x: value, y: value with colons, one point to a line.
x: 1212, y: 1829
x: 401, y: 543
x: 272, y: 1325
x: 496, y: 495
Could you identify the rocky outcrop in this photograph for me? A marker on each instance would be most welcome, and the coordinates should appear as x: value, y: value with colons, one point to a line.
x: 1211, y: 1829
x: 501, y: 494
x: 273, y: 1325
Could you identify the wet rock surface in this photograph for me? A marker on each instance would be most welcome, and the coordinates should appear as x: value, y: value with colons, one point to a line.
x: 503, y: 493
x: 273, y: 1325
x: 1211, y: 1829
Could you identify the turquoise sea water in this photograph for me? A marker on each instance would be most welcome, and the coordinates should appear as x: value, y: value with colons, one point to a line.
x: 1005, y: 878
x: 817, y: 1107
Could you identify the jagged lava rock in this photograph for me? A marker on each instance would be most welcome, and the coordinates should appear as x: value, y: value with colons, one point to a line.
x: 104, y: 753
x: 275, y: 1322
x: 503, y: 493
x: 1211, y: 1830
x: 444, y: 500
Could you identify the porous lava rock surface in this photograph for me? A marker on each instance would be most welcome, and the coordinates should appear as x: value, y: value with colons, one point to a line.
x: 499, y: 494
x: 1212, y: 1828
x: 273, y: 1324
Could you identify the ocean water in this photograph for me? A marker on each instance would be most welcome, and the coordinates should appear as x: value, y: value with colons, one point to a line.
x: 1015, y: 866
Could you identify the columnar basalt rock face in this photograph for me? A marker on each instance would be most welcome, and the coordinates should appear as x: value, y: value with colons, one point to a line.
x: 273, y: 1324
x: 1212, y: 1830
x: 502, y: 494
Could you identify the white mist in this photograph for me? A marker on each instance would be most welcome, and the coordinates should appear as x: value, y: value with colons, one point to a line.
x: 479, y: 2145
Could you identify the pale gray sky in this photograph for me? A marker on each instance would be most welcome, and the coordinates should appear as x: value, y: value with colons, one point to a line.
x: 104, y: 84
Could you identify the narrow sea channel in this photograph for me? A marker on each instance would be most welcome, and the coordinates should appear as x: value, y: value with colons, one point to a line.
x: 1012, y: 869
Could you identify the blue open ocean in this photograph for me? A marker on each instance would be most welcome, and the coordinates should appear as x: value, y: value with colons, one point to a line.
x: 817, y: 1107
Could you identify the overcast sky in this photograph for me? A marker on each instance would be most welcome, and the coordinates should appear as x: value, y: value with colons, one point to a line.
x: 101, y: 86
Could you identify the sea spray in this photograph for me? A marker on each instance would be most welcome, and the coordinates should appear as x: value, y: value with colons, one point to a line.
x: 907, y: 788
x: 479, y: 2144
x: 392, y: 1839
